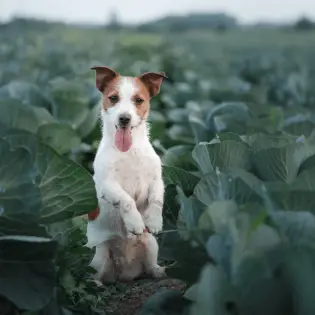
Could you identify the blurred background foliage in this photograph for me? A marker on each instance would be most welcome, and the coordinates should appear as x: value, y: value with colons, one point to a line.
x: 233, y: 126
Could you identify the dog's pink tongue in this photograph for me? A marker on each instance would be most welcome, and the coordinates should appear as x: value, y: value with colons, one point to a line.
x: 123, y: 139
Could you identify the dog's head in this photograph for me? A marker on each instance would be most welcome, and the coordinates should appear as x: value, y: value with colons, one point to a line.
x: 126, y: 100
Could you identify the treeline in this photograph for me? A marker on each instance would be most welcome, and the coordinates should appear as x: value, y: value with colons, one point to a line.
x: 19, y: 23
x: 204, y: 21
x: 217, y: 21
x: 304, y: 23
x: 169, y: 24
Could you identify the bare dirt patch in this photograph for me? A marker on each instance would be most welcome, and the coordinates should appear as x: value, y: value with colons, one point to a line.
x: 132, y: 296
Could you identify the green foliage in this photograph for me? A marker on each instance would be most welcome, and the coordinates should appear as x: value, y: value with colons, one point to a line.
x: 234, y: 128
x: 37, y: 186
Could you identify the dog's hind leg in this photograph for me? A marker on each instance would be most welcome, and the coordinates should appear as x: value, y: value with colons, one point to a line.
x: 151, y: 258
x: 103, y: 264
x: 132, y: 258
x: 131, y: 271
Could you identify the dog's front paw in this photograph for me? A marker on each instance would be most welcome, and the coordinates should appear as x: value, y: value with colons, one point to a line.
x: 134, y: 223
x: 154, y: 223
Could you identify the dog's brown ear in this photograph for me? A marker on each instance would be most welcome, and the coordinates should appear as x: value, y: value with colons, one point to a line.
x: 103, y: 76
x: 153, y: 81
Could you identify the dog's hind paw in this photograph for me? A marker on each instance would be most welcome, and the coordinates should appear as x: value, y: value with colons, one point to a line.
x: 158, y: 272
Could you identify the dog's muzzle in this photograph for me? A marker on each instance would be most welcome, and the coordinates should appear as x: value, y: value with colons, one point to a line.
x: 124, y: 120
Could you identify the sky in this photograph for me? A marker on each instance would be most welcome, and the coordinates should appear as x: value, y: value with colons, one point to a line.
x: 134, y: 11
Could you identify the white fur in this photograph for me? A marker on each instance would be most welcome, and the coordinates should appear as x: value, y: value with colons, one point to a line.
x: 130, y: 193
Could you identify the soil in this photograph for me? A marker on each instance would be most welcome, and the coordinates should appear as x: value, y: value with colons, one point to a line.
x: 130, y: 301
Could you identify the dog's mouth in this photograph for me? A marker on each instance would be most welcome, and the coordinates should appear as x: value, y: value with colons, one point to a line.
x: 123, y: 138
x: 131, y: 127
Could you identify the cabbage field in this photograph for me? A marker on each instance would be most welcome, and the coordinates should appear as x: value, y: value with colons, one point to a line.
x: 234, y: 126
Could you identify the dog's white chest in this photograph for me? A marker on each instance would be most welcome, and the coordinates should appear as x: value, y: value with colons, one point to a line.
x: 134, y: 172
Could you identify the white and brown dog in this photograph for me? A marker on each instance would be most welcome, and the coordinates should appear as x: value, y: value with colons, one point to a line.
x: 128, y: 180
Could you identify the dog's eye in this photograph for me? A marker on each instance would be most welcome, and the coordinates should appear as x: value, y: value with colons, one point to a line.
x: 113, y: 99
x: 139, y: 101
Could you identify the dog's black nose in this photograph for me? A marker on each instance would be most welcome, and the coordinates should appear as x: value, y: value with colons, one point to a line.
x: 124, y: 120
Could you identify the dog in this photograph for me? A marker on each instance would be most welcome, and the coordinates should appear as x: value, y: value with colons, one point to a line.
x: 128, y: 180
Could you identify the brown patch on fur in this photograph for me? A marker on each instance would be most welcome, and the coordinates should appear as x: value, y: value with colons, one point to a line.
x: 103, y: 76
x: 143, y: 94
x: 106, y: 80
x: 94, y: 214
x: 153, y: 81
x: 110, y: 90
